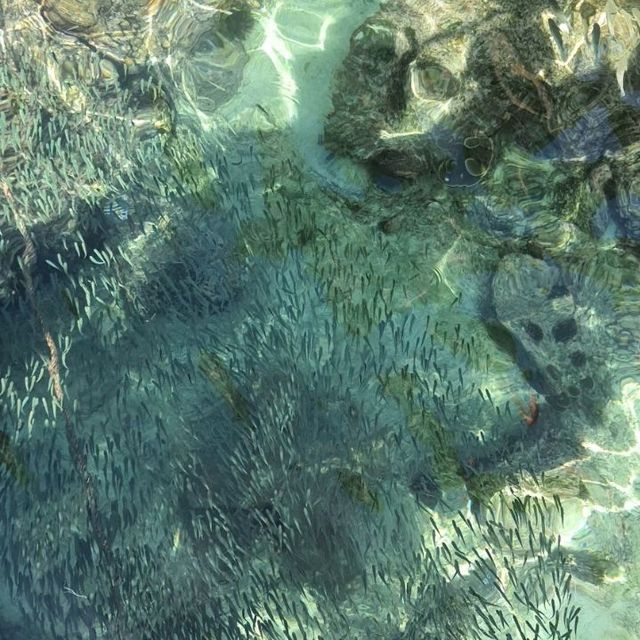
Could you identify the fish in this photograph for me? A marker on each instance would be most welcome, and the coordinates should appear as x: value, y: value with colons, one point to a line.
x: 530, y: 417
x: 595, y: 40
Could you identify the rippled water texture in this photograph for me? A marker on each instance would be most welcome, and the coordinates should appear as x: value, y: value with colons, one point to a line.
x: 320, y: 319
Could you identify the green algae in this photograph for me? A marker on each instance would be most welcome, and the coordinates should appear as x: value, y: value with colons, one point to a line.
x: 219, y: 375
x: 358, y: 489
x: 10, y: 461
x: 482, y: 486
x: 426, y: 428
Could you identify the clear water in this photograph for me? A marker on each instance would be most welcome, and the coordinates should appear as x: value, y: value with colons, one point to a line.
x: 321, y: 321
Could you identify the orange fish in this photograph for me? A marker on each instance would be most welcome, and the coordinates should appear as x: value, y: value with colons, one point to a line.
x: 530, y: 417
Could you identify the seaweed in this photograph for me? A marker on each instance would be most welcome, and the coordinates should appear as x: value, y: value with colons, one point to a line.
x: 11, y: 462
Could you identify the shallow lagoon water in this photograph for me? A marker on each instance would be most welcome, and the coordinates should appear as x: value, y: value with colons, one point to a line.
x: 317, y: 407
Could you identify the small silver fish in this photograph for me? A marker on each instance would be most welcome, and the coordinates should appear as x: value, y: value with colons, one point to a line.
x: 595, y: 40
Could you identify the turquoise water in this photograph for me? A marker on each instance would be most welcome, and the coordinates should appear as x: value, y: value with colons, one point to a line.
x: 319, y: 320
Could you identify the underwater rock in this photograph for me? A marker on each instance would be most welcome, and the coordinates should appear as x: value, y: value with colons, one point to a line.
x: 199, y: 48
x: 628, y: 212
x: 105, y: 124
x: 430, y: 80
x: 370, y: 90
x: 564, y: 330
x: 209, y: 67
x: 624, y: 190
x: 65, y: 15
x: 386, y: 183
x: 561, y: 350
x: 487, y: 216
x: 339, y: 175
x: 468, y: 78
x: 587, y: 140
